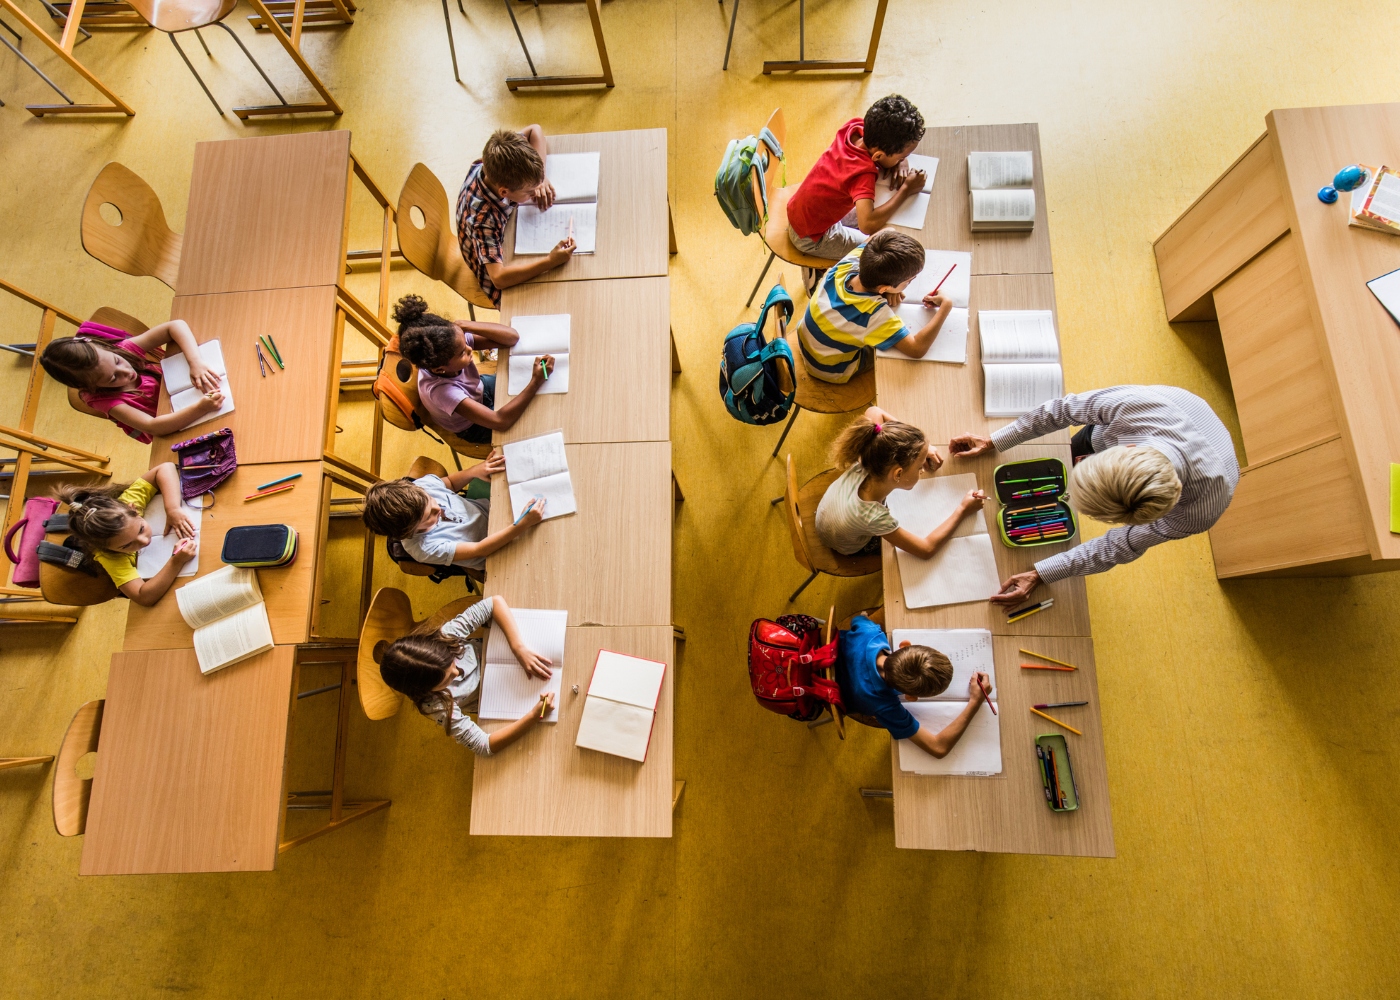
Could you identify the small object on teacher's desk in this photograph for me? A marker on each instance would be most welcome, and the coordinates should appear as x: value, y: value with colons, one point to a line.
x: 1327, y: 194
x: 1042, y: 656
x: 1350, y: 178
x: 1386, y: 289
x: 1057, y: 722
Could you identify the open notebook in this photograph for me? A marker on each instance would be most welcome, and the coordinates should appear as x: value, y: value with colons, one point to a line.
x: 1020, y: 360
x: 539, y: 467
x: 951, y: 343
x: 175, y: 370
x: 507, y: 691
x: 575, y: 180
x: 229, y: 618
x: 540, y: 335
x: 621, y: 705
x: 1000, y: 190
x: 150, y: 559
x: 978, y: 752
x: 913, y: 212
x: 964, y: 569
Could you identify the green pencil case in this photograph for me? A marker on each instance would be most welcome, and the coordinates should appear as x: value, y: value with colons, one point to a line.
x: 1034, y: 498
x: 1052, y: 753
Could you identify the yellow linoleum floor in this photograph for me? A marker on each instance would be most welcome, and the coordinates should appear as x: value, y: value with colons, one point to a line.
x: 1250, y: 727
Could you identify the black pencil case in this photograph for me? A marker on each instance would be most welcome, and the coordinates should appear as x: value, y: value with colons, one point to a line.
x: 260, y: 545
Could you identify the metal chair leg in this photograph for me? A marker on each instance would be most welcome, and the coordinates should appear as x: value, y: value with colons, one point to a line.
x: 42, y: 75
x: 196, y: 74
x: 825, y: 719
x: 877, y: 793
x: 759, y: 282
x: 775, y: 501
x: 451, y: 45
x: 733, y: 16
x: 18, y: 37
x: 798, y: 592
x: 266, y: 79
x: 791, y: 420
x: 471, y: 311
x: 511, y: 11
x: 203, y: 44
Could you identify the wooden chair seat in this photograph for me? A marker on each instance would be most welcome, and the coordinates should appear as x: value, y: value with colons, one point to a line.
x: 404, y: 376
x: 800, y: 505
x: 390, y: 617
x: 141, y: 243
x: 775, y: 231
x: 182, y: 15
x: 71, y: 793
x: 433, y: 248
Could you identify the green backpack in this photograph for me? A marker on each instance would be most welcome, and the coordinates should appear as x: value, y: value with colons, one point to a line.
x: 734, y: 186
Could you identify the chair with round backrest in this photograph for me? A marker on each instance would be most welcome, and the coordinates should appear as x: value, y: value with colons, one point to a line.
x: 390, y: 617
x: 425, y: 466
x: 174, y: 16
x: 396, y: 392
x: 800, y: 506
x: 430, y: 245
x: 775, y: 226
x: 139, y: 242
x: 820, y: 396
x: 71, y: 793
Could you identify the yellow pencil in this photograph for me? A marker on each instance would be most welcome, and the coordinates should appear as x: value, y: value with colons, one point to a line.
x: 544, y: 706
x: 1050, y: 658
x: 1057, y: 722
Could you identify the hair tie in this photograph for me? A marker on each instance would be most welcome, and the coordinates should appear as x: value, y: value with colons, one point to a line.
x: 879, y: 428
x: 75, y: 506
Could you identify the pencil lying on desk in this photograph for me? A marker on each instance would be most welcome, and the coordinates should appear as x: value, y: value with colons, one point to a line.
x: 268, y: 493
x: 1041, y: 666
x: 1063, y: 725
x: 1042, y: 656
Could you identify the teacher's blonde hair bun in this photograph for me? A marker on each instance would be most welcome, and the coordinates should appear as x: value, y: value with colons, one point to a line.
x: 1125, y: 485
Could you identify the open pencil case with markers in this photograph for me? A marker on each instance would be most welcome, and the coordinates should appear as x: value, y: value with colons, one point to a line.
x: 1034, y: 502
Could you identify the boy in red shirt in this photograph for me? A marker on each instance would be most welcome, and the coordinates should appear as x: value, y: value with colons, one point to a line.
x: 840, y: 190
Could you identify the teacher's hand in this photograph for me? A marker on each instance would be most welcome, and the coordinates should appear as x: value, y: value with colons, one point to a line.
x: 968, y: 446
x: 1017, y: 588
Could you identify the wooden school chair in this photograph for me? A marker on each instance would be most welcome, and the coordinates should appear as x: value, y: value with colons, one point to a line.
x: 71, y: 793
x: 430, y: 245
x: 140, y: 242
x: 775, y: 226
x: 174, y: 16
x: 832, y: 713
x: 390, y: 617
x: 820, y: 396
x: 800, y: 506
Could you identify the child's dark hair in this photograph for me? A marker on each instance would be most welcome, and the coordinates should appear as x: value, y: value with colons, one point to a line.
x: 95, y: 515
x: 425, y: 339
x: 890, y: 258
x: 510, y: 161
x: 891, y: 124
x: 918, y: 670
x: 71, y: 360
x: 417, y: 663
x: 880, y: 447
x: 394, y: 508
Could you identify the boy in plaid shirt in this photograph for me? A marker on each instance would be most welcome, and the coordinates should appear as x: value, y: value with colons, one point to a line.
x: 510, y: 171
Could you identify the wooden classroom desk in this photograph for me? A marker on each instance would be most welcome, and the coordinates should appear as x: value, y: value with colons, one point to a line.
x: 1314, y: 358
x: 633, y: 214
x: 608, y: 564
x: 266, y: 212
x: 547, y: 786
x: 281, y: 417
x: 619, y: 360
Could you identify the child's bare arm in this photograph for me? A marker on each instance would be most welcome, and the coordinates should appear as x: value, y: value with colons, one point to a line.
x: 925, y: 546
x: 507, y: 735
x: 917, y: 345
x: 498, y: 539
x: 534, y: 664
x: 941, y: 743
x: 148, y: 592
x: 481, y: 470
x: 870, y: 219
x: 488, y: 334
x: 167, y: 423
x: 504, y: 418
x: 178, y: 332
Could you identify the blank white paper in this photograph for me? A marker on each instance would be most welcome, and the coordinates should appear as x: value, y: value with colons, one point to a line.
x: 931, y: 501
x: 521, y: 369
x: 628, y: 679
x: 507, y: 691
x: 963, y: 570
x: 977, y: 753
x: 150, y: 559
x: 540, y: 335
x: 574, y: 176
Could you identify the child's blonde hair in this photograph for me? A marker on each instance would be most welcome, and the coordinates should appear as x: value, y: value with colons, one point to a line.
x: 95, y: 515
x: 879, y: 447
x: 1125, y: 485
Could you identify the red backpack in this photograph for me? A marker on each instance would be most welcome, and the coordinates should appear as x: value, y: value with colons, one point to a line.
x: 784, y: 659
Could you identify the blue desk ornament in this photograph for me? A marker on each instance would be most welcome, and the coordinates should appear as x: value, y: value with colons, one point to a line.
x: 1350, y: 178
x: 1327, y: 194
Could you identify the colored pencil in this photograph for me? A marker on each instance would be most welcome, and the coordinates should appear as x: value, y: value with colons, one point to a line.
x: 1029, y: 609
x: 1032, y: 479
x: 273, y: 344
x: 544, y: 706
x: 545, y: 366
x: 184, y: 468
x: 1042, y: 656
x: 268, y: 493
x: 1041, y: 666
x: 527, y: 509
x: 1027, y: 614
x: 279, y: 482
x: 1057, y: 722
x: 261, y: 366
x: 943, y: 279
x: 1055, y: 779
x: 272, y: 351
x: 1061, y: 704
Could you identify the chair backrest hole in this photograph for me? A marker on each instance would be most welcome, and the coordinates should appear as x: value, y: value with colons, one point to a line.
x: 111, y: 214
x: 416, y: 216
x: 379, y: 648
x: 85, y: 765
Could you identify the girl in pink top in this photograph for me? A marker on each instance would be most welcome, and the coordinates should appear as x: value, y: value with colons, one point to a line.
x: 120, y: 375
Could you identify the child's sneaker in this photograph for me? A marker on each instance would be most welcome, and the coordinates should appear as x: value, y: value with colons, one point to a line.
x: 811, y: 278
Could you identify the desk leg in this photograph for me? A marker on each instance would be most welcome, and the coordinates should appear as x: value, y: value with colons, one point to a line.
x: 802, y: 63
x: 675, y: 355
x: 671, y: 224
x: 877, y: 793
x: 676, y: 794
x: 8, y: 762
x: 676, y: 488
x: 605, y: 78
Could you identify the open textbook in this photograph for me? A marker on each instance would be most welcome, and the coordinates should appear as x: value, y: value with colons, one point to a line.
x: 540, y: 335
x: 913, y: 212
x: 507, y: 691
x: 175, y: 370
x: 1001, y: 191
x: 621, y: 705
x: 964, y: 569
x: 1020, y: 360
x: 539, y: 467
x: 1375, y: 204
x: 978, y: 752
x: 229, y: 618
x: 954, y: 269
x: 150, y: 559
x: 575, y: 208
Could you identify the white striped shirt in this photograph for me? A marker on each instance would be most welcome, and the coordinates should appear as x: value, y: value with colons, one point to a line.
x: 1179, y: 425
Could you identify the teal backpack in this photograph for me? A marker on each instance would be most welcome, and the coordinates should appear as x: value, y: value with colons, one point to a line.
x: 756, y: 376
x: 734, y: 186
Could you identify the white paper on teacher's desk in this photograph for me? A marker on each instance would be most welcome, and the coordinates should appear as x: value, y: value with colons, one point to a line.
x: 150, y: 559
x: 913, y: 213
x: 976, y: 754
x: 949, y: 346
x: 507, y: 691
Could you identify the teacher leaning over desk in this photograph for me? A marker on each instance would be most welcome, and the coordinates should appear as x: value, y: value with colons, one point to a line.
x: 1154, y: 459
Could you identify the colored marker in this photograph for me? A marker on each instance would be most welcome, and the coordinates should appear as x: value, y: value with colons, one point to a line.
x: 1042, y: 656
x: 545, y: 366
x: 273, y: 344
x: 1032, y: 479
x: 268, y: 493
x: 1060, y: 704
x: 279, y: 482
x: 1027, y: 612
x: 943, y: 279
x: 1057, y: 722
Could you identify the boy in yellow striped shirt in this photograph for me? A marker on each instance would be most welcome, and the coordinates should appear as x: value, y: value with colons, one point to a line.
x: 853, y: 312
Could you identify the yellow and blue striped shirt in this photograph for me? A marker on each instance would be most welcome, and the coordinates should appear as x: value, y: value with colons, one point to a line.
x: 841, y: 321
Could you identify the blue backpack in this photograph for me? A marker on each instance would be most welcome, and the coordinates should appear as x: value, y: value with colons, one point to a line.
x: 756, y: 376
x: 734, y: 186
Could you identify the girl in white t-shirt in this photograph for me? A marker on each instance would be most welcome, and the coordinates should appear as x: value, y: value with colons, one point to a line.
x: 881, y: 455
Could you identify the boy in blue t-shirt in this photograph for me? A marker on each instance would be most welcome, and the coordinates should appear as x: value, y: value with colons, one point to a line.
x: 872, y: 679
